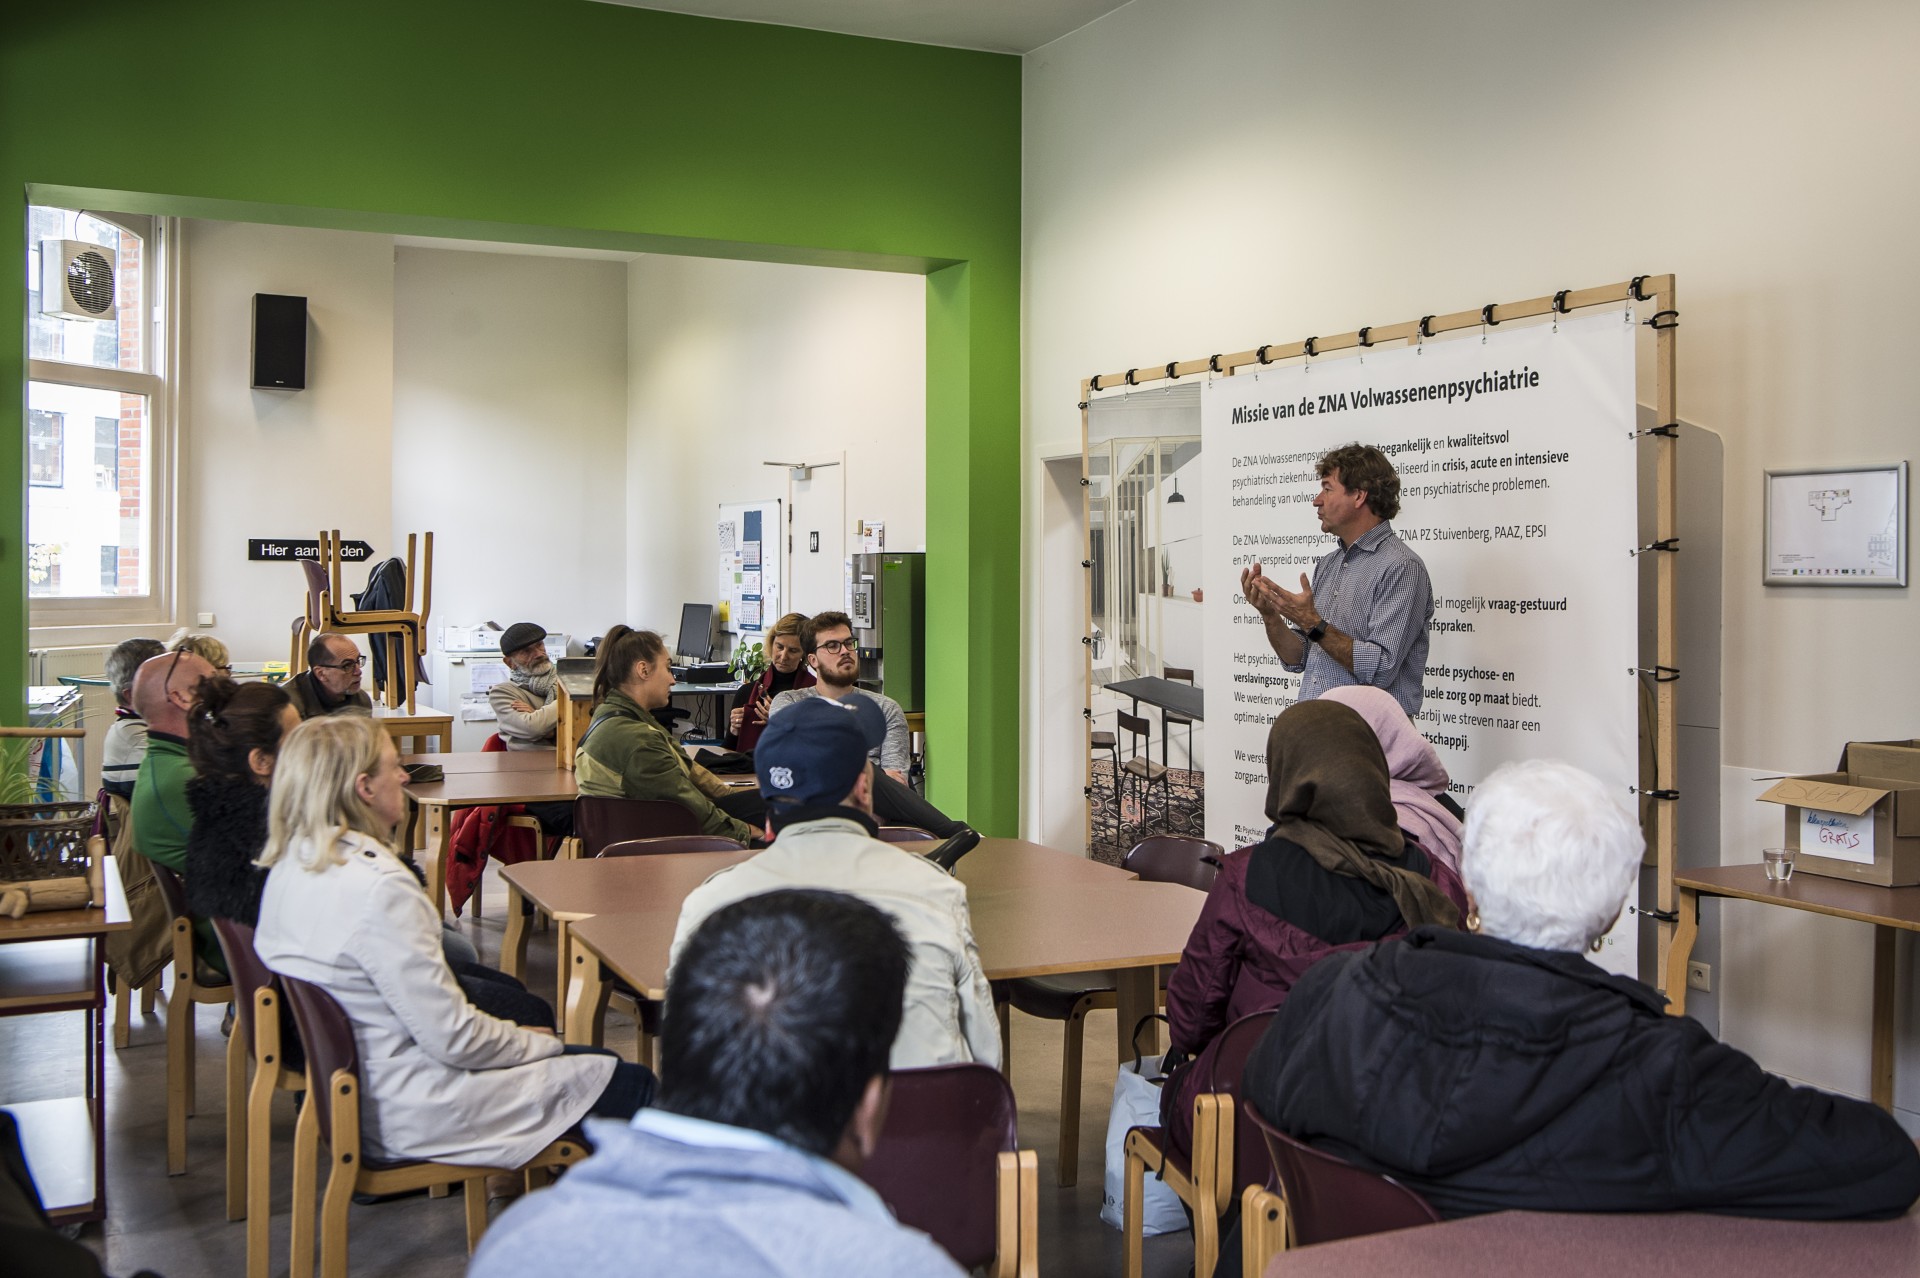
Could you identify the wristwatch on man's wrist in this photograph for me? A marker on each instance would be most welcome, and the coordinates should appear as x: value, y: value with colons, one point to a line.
x: 1318, y: 632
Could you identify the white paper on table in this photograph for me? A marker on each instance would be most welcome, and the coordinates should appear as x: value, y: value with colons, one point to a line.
x: 1837, y: 835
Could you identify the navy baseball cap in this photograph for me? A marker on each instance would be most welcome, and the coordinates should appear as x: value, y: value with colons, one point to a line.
x: 814, y: 751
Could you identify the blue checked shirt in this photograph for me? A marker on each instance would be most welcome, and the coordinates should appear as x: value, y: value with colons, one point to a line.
x: 1377, y: 591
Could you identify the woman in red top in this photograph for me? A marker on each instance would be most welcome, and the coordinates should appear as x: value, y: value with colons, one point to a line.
x: 1336, y: 872
x: 786, y: 668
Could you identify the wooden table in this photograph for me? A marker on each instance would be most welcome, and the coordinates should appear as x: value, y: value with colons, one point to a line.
x: 1182, y: 698
x: 487, y: 761
x: 1888, y: 909
x: 437, y: 799
x: 54, y: 961
x: 1033, y: 915
x: 1522, y: 1244
x: 413, y: 731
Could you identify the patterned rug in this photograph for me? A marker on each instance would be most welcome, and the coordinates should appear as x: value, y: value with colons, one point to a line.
x: 1177, y: 808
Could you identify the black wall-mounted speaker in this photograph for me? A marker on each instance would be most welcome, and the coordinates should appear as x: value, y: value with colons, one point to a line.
x: 279, y: 342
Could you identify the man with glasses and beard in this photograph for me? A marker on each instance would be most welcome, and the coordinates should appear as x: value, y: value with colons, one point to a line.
x: 331, y: 682
x: 835, y: 658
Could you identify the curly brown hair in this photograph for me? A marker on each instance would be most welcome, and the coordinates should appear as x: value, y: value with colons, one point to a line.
x: 1366, y: 468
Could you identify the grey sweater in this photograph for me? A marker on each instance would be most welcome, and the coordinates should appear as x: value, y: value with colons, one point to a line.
x: 646, y: 1204
x: 895, y: 753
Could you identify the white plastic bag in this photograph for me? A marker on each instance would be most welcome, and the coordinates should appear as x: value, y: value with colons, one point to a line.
x: 1136, y: 1103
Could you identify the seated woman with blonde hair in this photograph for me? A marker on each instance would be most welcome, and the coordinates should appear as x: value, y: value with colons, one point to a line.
x: 442, y: 1080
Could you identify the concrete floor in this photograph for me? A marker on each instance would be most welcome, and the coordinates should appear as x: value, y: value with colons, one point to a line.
x: 177, y: 1226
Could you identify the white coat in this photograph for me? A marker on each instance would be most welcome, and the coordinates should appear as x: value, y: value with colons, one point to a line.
x: 440, y: 1079
x: 948, y: 1016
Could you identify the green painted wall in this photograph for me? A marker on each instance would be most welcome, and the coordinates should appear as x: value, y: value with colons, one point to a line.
x: 564, y: 121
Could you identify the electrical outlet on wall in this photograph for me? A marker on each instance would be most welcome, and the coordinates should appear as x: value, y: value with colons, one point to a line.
x: 206, y: 619
x: 1700, y: 977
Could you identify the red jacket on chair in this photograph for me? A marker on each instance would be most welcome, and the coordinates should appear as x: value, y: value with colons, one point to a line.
x: 479, y: 833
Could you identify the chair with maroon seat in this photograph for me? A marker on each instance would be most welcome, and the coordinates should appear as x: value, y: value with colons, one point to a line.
x: 672, y: 843
x: 1328, y: 1198
x: 194, y: 984
x: 906, y: 834
x: 1205, y: 1179
x: 949, y: 1163
x: 1164, y: 858
x: 333, y: 1094
x: 601, y: 819
x: 278, y: 1065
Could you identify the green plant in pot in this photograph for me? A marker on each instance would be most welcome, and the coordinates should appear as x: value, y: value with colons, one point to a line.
x: 749, y: 662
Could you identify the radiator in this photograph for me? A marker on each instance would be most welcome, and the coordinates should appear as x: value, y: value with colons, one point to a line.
x: 44, y: 668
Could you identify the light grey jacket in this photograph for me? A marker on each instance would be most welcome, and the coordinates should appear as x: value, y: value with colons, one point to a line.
x: 441, y: 1079
x: 948, y: 1018
x: 754, y: 1208
x: 523, y: 730
x: 895, y: 754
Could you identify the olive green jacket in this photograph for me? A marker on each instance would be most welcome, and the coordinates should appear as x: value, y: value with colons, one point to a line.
x: 627, y: 754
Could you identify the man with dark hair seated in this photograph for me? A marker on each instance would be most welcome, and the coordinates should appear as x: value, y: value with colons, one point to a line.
x: 331, y: 682
x: 835, y: 657
x: 773, y: 1090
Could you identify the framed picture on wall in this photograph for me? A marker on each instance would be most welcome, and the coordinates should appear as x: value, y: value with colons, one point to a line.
x: 1836, y: 526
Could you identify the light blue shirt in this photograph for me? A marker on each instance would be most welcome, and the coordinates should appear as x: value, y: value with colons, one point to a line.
x: 1377, y: 592
x: 856, y: 1194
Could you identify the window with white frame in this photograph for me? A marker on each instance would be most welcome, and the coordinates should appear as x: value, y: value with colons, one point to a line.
x: 95, y: 496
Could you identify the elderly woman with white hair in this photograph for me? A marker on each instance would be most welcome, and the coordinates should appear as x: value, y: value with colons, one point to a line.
x: 1498, y: 1068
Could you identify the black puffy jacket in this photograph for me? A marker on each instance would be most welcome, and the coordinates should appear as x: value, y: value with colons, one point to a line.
x: 1490, y: 1076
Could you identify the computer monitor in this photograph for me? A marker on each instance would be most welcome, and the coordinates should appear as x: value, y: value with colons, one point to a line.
x: 696, y: 632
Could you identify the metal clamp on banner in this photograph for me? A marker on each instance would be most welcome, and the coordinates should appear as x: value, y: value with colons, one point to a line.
x: 1669, y: 544
x: 1261, y: 354
x: 1171, y: 375
x: 1095, y: 383
x: 1670, y: 431
x: 1653, y: 321
x: 1307, y: 347
x: 1671, y: 796
x: 1661, y: 674
x: 1213, y: 363
x: 1486, y: 315
x: 1560, y: 302
x: 1658, y: 916
x: 1426, y: 326
x: 1084, y: 405
x: 1086, y: 712
x: 1366, y: 341
x: 1633, y: 289
x: 1130, y: 373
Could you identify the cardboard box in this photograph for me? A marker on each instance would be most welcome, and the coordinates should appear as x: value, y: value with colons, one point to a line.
x: 1861, y: 822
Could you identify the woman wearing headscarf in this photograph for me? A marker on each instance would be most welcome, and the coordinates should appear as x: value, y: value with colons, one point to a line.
x: 1498, y: 1068
x: 1419, y: 780
x: 1334, y: 873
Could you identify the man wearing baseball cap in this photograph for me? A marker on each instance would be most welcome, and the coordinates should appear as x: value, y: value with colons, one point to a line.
x: 818, y: 785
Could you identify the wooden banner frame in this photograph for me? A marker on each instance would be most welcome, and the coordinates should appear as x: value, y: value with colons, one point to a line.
x: 1665, y: 321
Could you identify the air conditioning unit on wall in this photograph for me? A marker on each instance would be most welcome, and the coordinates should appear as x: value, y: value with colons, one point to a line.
x: 76, y: 280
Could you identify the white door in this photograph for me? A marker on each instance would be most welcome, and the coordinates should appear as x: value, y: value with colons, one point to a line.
x: 817, y: 528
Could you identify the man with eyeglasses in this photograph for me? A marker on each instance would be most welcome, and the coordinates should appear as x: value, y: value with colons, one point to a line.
x: 164, y: 689
x: 835, y: 658
x: 331, y: 682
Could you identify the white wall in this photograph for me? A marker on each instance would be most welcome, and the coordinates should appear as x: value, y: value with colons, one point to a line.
x: 1267, y: 171
x: 269, y: 463
x: 509, y: 433
x: 734, y: 363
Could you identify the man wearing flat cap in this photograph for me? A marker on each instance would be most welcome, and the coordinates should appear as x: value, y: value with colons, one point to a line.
x: 527, y: 706
x: 818, y: 785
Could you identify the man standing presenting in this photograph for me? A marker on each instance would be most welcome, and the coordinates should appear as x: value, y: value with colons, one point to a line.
x: 527, y: 706
x: 331, y: 682
x: 1364, y: 618
x: 835, y: 658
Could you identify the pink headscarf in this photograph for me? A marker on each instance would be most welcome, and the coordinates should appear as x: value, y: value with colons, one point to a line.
x: 1416, y: 770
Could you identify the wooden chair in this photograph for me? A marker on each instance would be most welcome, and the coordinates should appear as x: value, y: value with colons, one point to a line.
x: 1325, y: 1198
x: 333, y: 1094
x: 1166, y: 858
x: 1144, y: 771
x: 188, y: 990
x: 402, y: 629
x: 907, y: 834
x: 949, y: 1163
x: 599, y: 820
x: 671, y: 843
x: 1173, y: 718
x: 278, y: 1066
x: 1205, y: 1178
x: 115, y: 826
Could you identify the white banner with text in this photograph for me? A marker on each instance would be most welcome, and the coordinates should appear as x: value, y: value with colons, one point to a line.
x: 1516, y: 455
